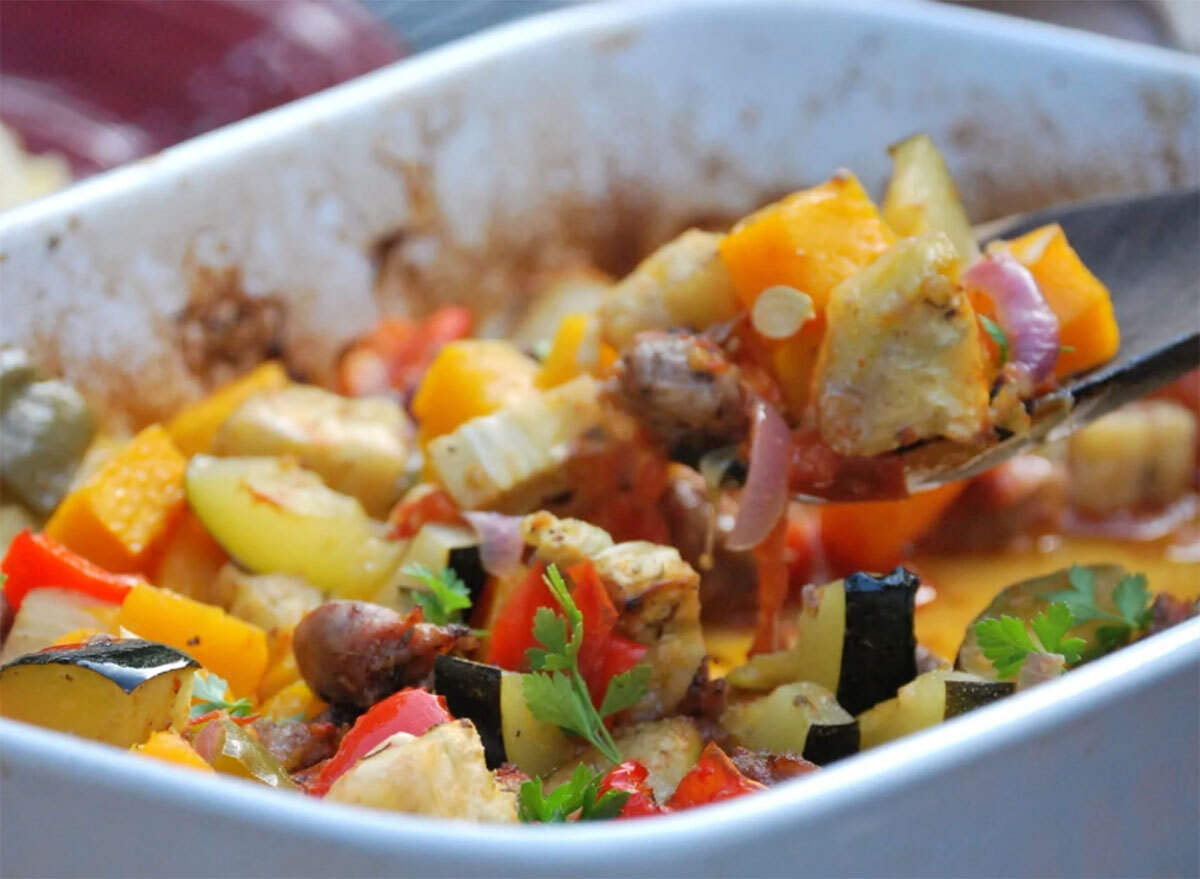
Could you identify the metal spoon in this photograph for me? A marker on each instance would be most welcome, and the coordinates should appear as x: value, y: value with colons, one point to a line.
x: 1146, y: 249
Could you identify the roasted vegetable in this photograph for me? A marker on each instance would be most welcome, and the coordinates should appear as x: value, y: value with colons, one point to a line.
x: 854, y: 638
x: 441, y: 773
x: 436, y: 547
x: 47, y: 614
x: 191, y: 562
x: 1026, y: 599
x: 35, y: 560
x: 801, y: 718
x: 117, y: 692
x: 45, y: 429
x: 575, y: 350
x: 194, y: 427
x: 171, y: 747
x: 513, y: 458
x: 231, y: 750
x: 922, y: 197
x: 494, y: 701
x: 234, y: 649
x: 359, y: 447
x: 1141, y: 456
x: 121, y: 513
x: 273, y: 602
x: 276, y: 518
x: 901, y: 360
x: 927, y: 700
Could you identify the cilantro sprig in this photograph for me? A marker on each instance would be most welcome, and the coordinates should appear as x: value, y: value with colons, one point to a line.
x: 580, y: 794
x: 447, y: 596
x: 555, y: 690
x: 998, y: 336
x: 1131, y: 597
x: 1006, y: 642
x: 210, y: 689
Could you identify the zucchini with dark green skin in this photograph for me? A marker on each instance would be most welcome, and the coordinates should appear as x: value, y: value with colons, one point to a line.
x: 494, y: 700
x: 112, y: 691
x: 800, y: 718
x: 438, y: 546
x: 927, y: 700
x: 854, y: 637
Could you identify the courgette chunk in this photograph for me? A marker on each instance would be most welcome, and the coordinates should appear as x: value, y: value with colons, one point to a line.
x: 117, y: 692
x: 801, y: 718
x: 927, y: 700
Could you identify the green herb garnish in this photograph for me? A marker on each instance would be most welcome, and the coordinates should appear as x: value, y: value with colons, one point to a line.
x: 447, y: 597
x: 555, y: 690
x: 577, y: 795
x: 1006, y: 642
x: 998, y: 336
x: 1131, y: 598
x: 210, y: 689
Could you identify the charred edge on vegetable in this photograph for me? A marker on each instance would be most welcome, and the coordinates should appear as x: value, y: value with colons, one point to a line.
x: 472, y: 691
x: 878, y: 653
x: 128, y: 664
x: 963, y: 696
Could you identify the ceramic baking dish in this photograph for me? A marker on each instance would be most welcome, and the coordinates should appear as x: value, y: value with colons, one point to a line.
x: 597, y: 132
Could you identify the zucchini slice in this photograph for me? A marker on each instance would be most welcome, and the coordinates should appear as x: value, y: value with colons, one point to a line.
x: 801, y: 718
x: 493, y: 700
x: 854, y: 638
x: 927, y: 700
x: 117, y: 692
x: 438, y: 546
x: 1026, y: 599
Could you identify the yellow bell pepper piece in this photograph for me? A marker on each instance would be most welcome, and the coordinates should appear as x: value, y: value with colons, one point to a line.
x: 1088, y: 329
x: 470, y: 378
x: 229, y: 647
x: 119, y: 514
x: 282, y: 670
x: 191, y: 561
x: 294, y: 699
x: 173, y: 748
x: 194, y: 428
x: 811, y: 240
x: 576, y: 349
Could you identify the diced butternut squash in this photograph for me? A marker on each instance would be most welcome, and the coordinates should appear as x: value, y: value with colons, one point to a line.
x: 576, y: 349
x: 76, y: 636
x: 1088, y: 329
x: 123, y: 511
x: 812, y: 240
x: 232, y: 648
x: 194, y: 428
x: 191, y: 560
x: 470, y: 378
x: 296, y: 699
x: 282, y: 670
x: 172, y: 748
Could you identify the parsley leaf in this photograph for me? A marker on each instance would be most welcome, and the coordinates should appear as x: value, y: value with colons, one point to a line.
x: 210, y: 689
x: 555, y: 690
x: 1133, y: 601
x: 448, y: 595
x: 579, y: 794
x: 1131, y: 598
x: 998, y: 336
x: 1005, y: 642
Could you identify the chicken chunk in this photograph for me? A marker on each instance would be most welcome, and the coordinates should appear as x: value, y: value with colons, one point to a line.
x: 901, y: 360
x: 563, y: 542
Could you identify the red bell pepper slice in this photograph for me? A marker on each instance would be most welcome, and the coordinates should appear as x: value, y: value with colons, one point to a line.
x: 397, y: 352
x: 630, y: 777
x: 602, y: 654
x: 712, y: 779
x: 34, y: 561
x: 413, y: 711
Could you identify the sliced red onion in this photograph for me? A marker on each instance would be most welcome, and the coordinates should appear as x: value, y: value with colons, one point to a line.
x: 500, y: 539
x: 206, y: 741
x: 765, y: 496
x: 1021, y: 309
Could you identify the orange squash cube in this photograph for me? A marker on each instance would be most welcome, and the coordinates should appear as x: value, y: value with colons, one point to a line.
x: 470, y: 378
x: 194, y: 427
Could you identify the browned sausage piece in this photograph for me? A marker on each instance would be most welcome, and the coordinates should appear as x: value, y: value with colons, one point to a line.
x: 684, y: 390
x: 768, y: 768
x: 357, y: 653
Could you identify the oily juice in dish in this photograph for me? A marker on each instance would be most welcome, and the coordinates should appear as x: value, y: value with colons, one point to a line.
x: 562, y: 576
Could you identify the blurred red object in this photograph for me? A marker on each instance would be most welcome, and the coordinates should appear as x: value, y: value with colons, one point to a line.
x: 106, y: 81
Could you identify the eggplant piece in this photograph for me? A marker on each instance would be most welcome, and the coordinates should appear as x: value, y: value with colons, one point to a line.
x: 801, y: 718
x: 437, y: 546
x: 1028, y: 598
x: 117, y: 692
x: 494, y: 700
x: 854, y: 638
x: 927, y: 700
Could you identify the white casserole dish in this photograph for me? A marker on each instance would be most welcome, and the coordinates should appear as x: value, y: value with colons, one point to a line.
x: 601, y: 130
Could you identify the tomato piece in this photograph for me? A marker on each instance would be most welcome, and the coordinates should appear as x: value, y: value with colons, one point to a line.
x: 413, y: 711
x: 630, y: 777
x: 512, y: 632
x: 433, y: 506
x: 397, y: 352
x: 712, y: 779
x: 36, y: 560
